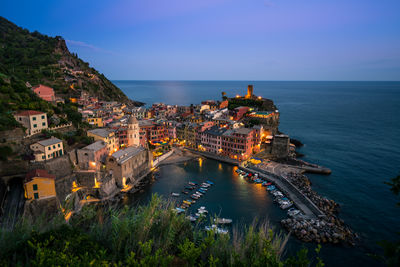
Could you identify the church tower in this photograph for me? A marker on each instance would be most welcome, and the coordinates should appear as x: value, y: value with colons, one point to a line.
x: 133, y: 132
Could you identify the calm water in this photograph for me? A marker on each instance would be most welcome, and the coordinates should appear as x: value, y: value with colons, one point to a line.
x: 351, y: 127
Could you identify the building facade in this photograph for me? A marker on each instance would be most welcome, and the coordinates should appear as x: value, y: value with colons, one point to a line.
x: 39, y: 184
x: 34, y: 121
x: 128, y: 164
x: 107, y: 136
x: 92, y: 156
x: 44, y: 92
x: 47, y: 149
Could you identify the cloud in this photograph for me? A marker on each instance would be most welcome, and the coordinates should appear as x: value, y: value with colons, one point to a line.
x: 88, y: 46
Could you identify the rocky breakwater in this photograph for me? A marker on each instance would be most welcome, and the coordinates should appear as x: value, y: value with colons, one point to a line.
x: 328, y: 229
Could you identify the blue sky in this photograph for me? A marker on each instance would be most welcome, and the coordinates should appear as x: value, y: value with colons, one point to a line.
x: 224, y: 39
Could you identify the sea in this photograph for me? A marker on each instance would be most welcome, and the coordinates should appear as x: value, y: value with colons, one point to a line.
x: 353, y: 128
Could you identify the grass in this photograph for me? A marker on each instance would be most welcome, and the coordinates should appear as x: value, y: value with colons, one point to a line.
x: 149, y: 235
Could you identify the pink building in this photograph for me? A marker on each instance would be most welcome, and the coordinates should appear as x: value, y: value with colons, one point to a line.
x: 211, y: 140
x: 44, y: 92
x: 238, y: 113
x: 240, y: 143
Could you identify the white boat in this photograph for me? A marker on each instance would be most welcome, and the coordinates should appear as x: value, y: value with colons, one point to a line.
x: 175, y: 194
x: 191, y: 218
x: 286, y: 205
x: 216, y: 229
x: 293, y: 212
x: 222, y: 221
x: 179, y: 210
x: 198, y: 193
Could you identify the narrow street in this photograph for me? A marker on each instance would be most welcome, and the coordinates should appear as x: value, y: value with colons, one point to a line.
x: 14, y: 204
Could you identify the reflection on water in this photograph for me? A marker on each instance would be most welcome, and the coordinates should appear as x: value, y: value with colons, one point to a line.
x: 231, y: 195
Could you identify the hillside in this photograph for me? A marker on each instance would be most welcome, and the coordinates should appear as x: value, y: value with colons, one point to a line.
x: 39, y: 59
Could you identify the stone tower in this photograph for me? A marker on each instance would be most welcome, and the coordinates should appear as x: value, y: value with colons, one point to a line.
x: 249, y: 91
x: 133, y: 132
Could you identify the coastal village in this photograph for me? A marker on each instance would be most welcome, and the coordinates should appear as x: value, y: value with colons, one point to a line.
x: 124, y: 143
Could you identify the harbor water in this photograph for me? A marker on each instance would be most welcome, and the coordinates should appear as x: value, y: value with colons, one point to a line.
x: 352, y: 128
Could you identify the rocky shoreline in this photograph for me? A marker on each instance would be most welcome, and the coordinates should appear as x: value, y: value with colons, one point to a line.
x: 328, y: 229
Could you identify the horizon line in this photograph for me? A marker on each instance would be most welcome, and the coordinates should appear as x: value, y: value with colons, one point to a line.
x: 177, y: 80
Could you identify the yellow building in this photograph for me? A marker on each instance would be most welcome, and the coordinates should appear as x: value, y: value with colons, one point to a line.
x: 39, y: 184
x: 48, y: 149
x: 95, y: 121
x: 107, y: 136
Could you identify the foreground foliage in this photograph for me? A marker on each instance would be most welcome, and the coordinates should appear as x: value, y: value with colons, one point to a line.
x: 151, y: 235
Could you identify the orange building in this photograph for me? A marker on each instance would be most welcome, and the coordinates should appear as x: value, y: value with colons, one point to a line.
x: 44, y: 92
x: 39, y: 184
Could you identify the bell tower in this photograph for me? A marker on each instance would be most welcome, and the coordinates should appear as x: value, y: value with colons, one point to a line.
x: 133, y: 132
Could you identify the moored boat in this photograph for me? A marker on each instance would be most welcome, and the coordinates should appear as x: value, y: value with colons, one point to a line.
x: 175, y: 194
x: 216, y: 229
x: 223, y: 221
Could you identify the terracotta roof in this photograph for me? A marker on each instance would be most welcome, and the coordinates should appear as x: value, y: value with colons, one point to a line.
x: 29, y: 113
x: 38, y: 173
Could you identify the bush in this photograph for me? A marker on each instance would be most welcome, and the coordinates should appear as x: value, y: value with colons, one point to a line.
x: 150, y: 235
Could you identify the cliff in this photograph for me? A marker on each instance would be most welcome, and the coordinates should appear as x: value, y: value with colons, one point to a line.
x: 33, y: 58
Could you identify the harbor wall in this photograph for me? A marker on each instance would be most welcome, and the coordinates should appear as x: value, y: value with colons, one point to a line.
x: 297, y: 196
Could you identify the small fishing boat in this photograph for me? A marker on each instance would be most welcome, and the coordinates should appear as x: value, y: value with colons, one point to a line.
x: 192, y: 183
x: 191, y: 218
x: 175, y: 194
x: 293, y: 212
x: 216, y: 229
x: 222, y: 221
x: 286, y: 205
x: 271, y: 187
x: 179, y: 210
x: 209, y: 182
x: 185, y: 192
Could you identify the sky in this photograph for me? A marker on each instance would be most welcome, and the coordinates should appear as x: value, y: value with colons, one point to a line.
x: 224, y: 39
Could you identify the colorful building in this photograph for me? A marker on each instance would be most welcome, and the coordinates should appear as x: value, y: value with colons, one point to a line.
x: 34, y: 121
x: 39, y: 184
x: 238, y: 113
x: 107, y: 136
x: 211, y: 140
x: 240, y: 143
x: 44, y: 92
x: 98, y: 121
x: 47, y: 149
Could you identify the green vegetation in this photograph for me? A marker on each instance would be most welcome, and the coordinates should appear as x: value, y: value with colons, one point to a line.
x: 5, y: 152
x: 79, y: 136
x: 30, y: 58
x: 150, y: 235
x: 264, y: 104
